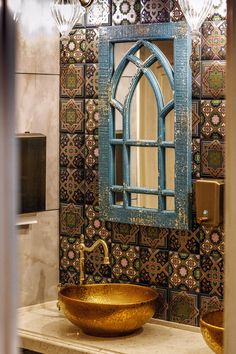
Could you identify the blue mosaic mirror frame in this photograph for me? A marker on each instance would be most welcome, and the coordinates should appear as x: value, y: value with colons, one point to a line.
x: 180, y: 80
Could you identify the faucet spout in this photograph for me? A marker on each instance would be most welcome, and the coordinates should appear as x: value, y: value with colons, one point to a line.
x: 83, y: 249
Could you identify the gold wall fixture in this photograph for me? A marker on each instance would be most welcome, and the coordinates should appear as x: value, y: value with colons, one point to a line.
x: 210, y: 201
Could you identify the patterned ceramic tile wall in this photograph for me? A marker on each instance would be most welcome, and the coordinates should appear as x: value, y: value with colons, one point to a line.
x: 185, y: 267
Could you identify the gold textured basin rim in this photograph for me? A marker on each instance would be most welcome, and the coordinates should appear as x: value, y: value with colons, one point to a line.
x: 212, y: 328
x: 108, y: 309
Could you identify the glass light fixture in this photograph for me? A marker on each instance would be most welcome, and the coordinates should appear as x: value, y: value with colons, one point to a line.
x: 195, y: 12
x: 66, y: 14
x: 15, y: 7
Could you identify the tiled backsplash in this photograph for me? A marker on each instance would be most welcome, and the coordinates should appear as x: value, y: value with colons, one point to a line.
x: 185, y: 266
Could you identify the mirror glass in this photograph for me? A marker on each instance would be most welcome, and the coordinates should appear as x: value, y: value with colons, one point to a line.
x: 144, y: 162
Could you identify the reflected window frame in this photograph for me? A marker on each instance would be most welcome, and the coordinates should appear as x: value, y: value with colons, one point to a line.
x: 180, y: 218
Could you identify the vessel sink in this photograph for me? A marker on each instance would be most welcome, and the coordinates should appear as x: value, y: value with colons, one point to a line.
x: 212, y: 328
x: 108, y: 309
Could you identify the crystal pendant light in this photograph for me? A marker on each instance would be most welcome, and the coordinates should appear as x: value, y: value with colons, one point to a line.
x: 66, y: 14
x: 195, y: 12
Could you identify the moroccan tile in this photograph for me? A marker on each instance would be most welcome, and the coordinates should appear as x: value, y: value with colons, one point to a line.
x: 99, y: 13
x: 214, y: 40
x: 161, y: 304
x: 91, y: 45
x: 213, y: 79
x: 184, y: 271
x: 72, y: 185
x: 196, y: 79
x: 71, y: 219
x: 72, y: 80
x: 184, y: 241
x: 125, y: 12
x: 193, y: 196
x: 209, y: 304
x: 72, y: 150
x: 94, y: 227
x: 154, y: 267
x: 69, y: 253
x: 195, y: 118
x: 196, y: 158
x: 91, y: 117
x: 72, y: 116
x: 212, y: 273
x: 125, y: 233
x: 125, y: 263
x: 91, y: 186
x: 94, y: 263
x: 213, y: 114
x: 69, y: 277
x: 212, y: 241
x: 96, y: 279
x: 91, y: 151
x: 153, y: 237
x: 176, y: 13
x: 155, y: 11
x: 183, y: 307
x: 91, y: 81
x: 212, y: 158
x: 196, y: 51
x: 219, y: 11
x: 74, y: 51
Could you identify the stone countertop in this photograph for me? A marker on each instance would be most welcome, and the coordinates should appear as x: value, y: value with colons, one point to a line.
x: 44, y: 329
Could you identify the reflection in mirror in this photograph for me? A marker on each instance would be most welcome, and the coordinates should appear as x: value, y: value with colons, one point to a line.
x: 145, y: 128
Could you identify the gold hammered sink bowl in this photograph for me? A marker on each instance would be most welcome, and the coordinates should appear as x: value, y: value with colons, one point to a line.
x: 108, y: 309
x: 212, y: 328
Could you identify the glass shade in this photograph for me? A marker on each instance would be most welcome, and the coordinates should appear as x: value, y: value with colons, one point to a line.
x: 66, y: 14
x: 195, y: 12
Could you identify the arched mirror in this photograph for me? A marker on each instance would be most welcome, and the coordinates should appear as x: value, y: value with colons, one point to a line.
x: 145, y: 125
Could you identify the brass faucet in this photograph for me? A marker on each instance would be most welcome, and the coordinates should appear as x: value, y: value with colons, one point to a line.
x: 83, y: 248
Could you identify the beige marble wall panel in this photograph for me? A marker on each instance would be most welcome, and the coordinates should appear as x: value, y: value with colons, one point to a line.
x: 37, y: 111
x: 37, y: 39
x: 38, y: 260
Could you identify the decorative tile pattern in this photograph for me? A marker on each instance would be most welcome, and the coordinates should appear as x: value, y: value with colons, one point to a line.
x: 125, y: 263
x: 212, y: 241
x: 195, y: 118
x: 91, y: 117
x: 69, y: 254
x: 184, y: 271
x: 219, y: 11
x: 74, y: 51
x: 99, y: 13
x: 72, y: 150
x: 72, y: 186
x: 196, y: 51
x: 72, y: 80
x: 196, y: 158
x: 94, y: 227
x: 91, y: 45
x: 209, y: 304
x: 71, y: 219
x: 214, y: 40
x: 213, y: 79
x: 212, y: 158
x: 125, y: 233
x: 72, y: 116
x: 154, y: 267
x: 125, y: 12
x: 68, y: 277
x: 97, y: 279
x: 153, y: 237
x: 196, y: 79
x: 176, y: 14
x: 161, y: 304
x: 183, y: 307
x: 155, y: 11
x: 184, y: 241
x: 94, y: 264
x: 212, y: 272
x: 91, y: 186
x: 91, y: 81
x: 213, y: 119
x: 91, y: 151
